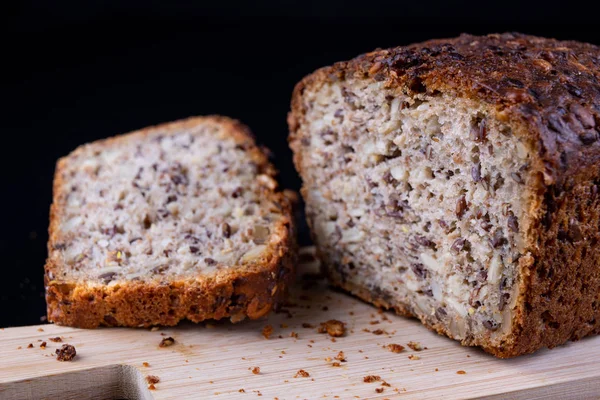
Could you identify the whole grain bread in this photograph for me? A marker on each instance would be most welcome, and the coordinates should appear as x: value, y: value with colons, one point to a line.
x: 179, y: 221
x: 457, y: 181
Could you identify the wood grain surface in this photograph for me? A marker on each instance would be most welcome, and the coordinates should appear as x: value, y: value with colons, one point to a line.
x: 216, y: 360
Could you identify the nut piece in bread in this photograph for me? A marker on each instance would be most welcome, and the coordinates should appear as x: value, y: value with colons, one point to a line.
x: 179, y: 221
x: 457, y: 181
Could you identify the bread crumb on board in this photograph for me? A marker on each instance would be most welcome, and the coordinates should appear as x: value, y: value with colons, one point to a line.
x: 395, y: 348
x: 166, y: 342
x: 301, y: 374
x: 333, y: 327
x: 461, y: 372
x: 267, y: 331
x: 152, y: 379
x: 66, y: 353
x: 371, y: 378
x: 56, y: 339
x: 145, y: 364
x: 255, y: 370
x: 416, y: 346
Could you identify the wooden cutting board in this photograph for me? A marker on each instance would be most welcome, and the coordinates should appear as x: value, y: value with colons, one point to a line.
x: 215, y: 360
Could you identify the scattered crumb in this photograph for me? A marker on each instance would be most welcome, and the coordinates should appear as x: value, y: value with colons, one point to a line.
x: 374, y: 322
x: 333, y: 327
x: 379, y: 332
x: 395, y: 348
x: 333, y: 340
x: 302, y: 374
x: 151, y: 387
x: 152, y: 379
x: 341, y: 356
x: 242, y: 391
x: 267, y: 331
x: 154, y: 329
x: 40, y: 330
x: 307, y: 325
x: 328, y: 359
x: 336, y: 364
x: 166, y: 342
x: 145, y: 364
x: 294, y: 335
x: 55, y: 339
x: 460, y: 372
x: 43, y: 345
x: 255, y: 370
x: 283, y: 326
x: 371, y: 378
x: 384, y: 383
x: 65, y: 353
x: 325, y: 308
x: 416, y: 346
x: 283, y: 352
x: 19, y: 348
x: 413, y: 357
x: 30, y: 346
x: 351, y: 313
x: 436, y: 370
x: 379, y: 390
x: 468, y: 356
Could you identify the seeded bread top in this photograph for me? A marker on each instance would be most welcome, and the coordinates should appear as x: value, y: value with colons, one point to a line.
x: 552, y: 88
x: 177, y: 201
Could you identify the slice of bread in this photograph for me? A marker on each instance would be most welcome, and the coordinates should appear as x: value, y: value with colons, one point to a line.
x: 182, y: 220
x: 458, y: 181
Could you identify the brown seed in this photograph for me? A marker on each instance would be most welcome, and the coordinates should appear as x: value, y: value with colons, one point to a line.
x: 513, y: 223
x: 460, y: 372
x: 458, y: 245
x: 479, y: 132
x: 461, y: 207
x: 255, y: 370
x: 371, y: 378
x: 166, y: 342
x: 476, y: 172
x: 517, y: 177
x: 30, y: 346
x: 43, y: 345
x: 210, y: 261
x: 55, y: 339
x: 65, y: 353
x: 226, y: 230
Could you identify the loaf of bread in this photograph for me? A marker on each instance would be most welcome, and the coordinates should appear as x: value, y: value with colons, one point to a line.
x: 182, y: 220
x: 457, y: 181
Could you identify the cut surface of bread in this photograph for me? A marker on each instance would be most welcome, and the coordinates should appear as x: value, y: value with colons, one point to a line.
x: 457, y: 181
x: 181, y: 220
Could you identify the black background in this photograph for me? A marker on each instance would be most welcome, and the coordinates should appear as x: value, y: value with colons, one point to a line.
x: 80, y: 71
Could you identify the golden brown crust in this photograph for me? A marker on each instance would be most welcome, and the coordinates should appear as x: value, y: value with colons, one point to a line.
x: 251, y: 290
x: 548, y: 91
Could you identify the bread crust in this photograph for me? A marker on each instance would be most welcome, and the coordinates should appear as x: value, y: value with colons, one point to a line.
x: 548, y: 91
x: 250, y: 290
